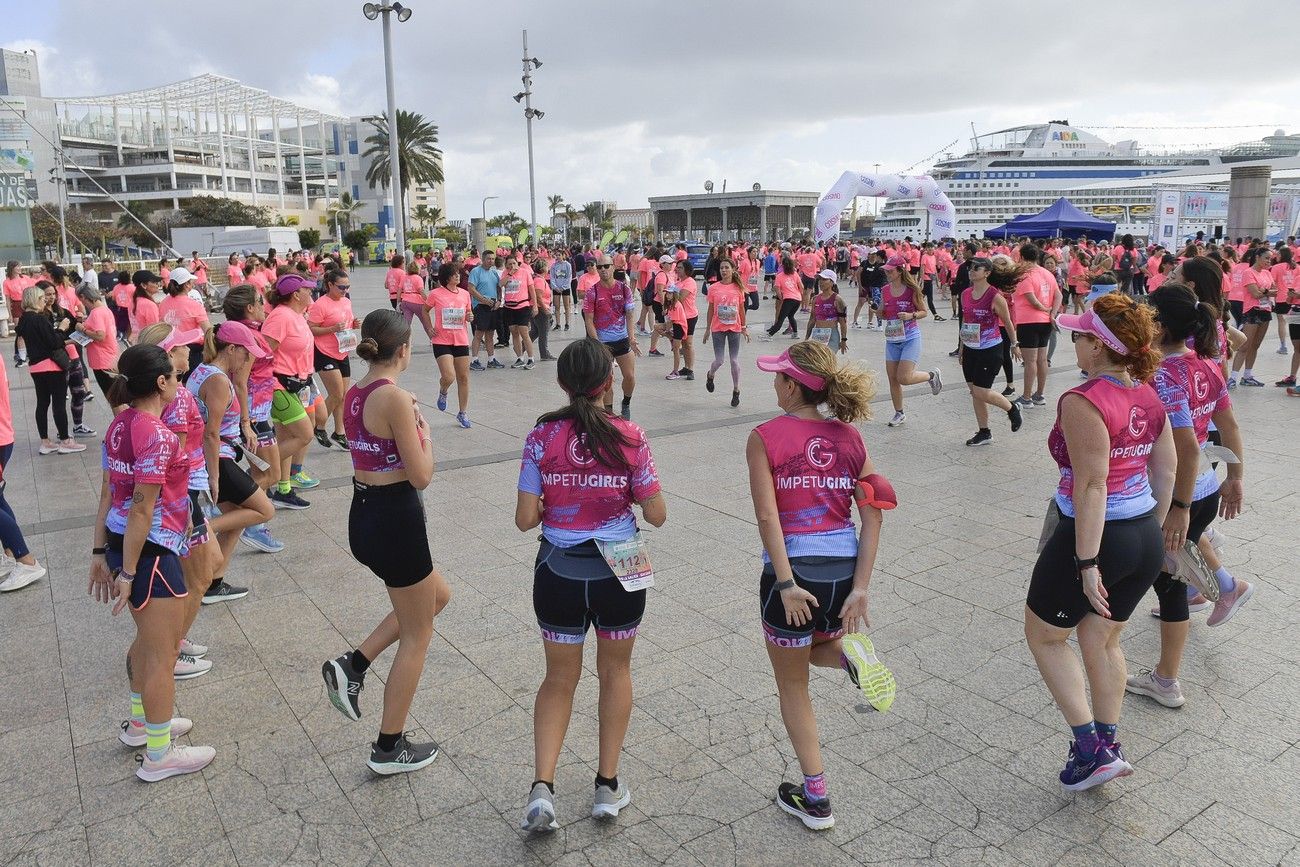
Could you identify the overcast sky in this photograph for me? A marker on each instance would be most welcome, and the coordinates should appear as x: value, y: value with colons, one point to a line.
x: 655, y: 99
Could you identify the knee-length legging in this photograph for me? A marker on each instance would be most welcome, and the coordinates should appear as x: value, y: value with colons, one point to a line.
x: 731, y: 340
x: 789, y: 307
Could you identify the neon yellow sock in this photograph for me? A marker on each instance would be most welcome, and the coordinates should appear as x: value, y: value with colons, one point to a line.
x: 284, y: 487
x: 137, y: 708
x: 158, y: 738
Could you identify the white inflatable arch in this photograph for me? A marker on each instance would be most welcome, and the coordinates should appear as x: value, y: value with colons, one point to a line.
x: 943, y: 216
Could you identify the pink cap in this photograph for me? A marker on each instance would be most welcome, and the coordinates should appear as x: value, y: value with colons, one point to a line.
x: 291, y: 283
x: 181, y: 338
x: 896, y: 262
x: 1090, y: 323
x: 783, y: 363
x: 239, y: 334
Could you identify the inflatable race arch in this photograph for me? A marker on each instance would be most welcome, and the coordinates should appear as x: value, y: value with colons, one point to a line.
x: 943, y: 216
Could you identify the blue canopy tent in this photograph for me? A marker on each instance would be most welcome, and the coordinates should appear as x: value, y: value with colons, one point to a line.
x: 1061, y: 219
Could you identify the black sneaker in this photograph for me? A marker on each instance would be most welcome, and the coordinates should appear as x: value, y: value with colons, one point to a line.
x: 982, y: 438
x: 688, y: 375
x: 735, y: 398
x: 402, y: 758
x: 1008, y: 391
x: 340, y: 439
x: 954, y: 353
x: 814, y: 814
x: 626, y: 409
x: 220, y: 591
x: 1016, y: 418
x: 708, y: 384
x: 287, y: 501
x: 322, y: 437
x: 343, y: 685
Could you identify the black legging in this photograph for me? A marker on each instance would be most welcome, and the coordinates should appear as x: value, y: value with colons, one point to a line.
x: 751, y: 300
x: 77, y: 391
x: 927, y: 289
x: 789, y: 307
x: 1006, y: 356
x: 51, y: 388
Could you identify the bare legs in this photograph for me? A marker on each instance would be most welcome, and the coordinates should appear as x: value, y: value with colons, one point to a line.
x: 554, y: 704
x: 1103, y: 660
x: 335, y: 387
x: 454, y: 369
x: 790, y: 666
x: 901, y: 373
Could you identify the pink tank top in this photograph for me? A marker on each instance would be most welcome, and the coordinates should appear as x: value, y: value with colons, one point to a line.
x: 370, y: 454
x: 893, y: 305
x: 979, y: 322
x: 815, y: 466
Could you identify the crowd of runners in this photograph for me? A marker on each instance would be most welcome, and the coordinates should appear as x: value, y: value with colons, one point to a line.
x: 218, y: 397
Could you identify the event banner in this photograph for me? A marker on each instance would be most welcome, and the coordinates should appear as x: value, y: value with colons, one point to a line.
x: 1167, y: 204
x: 943, y: 216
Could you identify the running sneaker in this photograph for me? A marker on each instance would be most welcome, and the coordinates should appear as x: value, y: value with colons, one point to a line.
x: 688, y: 375
x: 1010, y: 390
x: 936, y: 381
x: 1145, y: 683
x: 21, y: 575
x: 462, y: 420
x: 1080, y: 774
x: 1283, y: 383
x: 303, y: 481
x: 899, y: 419
x: 1022, y: 402
x: 1252, y: 382
x: 260, y: 537
x: 402, y: 758
x: 539, y: 815
x: 1232, y: 383
x: 493, y: 364
x: 1017, y: 419
x: 1195, y: 605
x: 982, y: 438
x: 708, y: 383
x: 133, y: 734
x: 48, y: 449
x: 625, y: 409
x: 1193, y: 570
x: 735, y: 398
x: 814, y: 814
x: 867, y: 672
x: 177, y: 760
x: 1229, y: 602
x: 938, y: 318
x: 340, y: 440
x: 673, y: 376
x: 188, y: 668
x: 442, y: 401
x: 1216, y: 538
x: 529, y: 364
x: 82, y: 431
x: 222, y: 591
x: 287, y: 501
x: 655, y: 353
x: 322, y: 437
x: 856, y: 324
x: 476, y: 365
x: 518, y: 364
x: 343, y: 685
x: 70, y: 447
x: 1039, y: 400
x: 607, y: 802
x: 1282, y: 350
x: 20, y: 362
x: 954, y: 353
x: 194, y: 649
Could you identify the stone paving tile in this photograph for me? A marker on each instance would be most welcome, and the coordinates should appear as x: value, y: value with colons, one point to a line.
x: 961, y: 771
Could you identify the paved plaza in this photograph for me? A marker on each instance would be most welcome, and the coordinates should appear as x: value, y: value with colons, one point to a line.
x: 962, y: 770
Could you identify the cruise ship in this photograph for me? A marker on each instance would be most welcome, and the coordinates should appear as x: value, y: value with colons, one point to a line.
x: 1024, y: 169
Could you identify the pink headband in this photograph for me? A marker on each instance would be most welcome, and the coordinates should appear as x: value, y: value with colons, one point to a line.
x: 783, y: 363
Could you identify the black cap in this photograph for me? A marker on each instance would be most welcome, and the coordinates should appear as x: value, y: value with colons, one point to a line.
x: 143, y: 276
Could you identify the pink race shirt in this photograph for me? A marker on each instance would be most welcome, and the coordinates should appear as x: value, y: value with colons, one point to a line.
x: 789, y: 286
x: 1193, y: 390
x: 289, y: 330
x: 1134, y: 418
x: 327, y: 312
x: 450, y: 309
x: 183, y: 313
x: 393, y: 281
x: 143, y: 313
x: 608, y: 308
x: 1040, y: 283
x: 261, y: 378
x: 102, y: 354
x: 140, y: 450
x: 1262, y: 279
x: 6, y: 409
x: 184, y: 417
x: 413, y: 289
x: 727, y: 303
x: 688, y: 292
x: 582, y: 498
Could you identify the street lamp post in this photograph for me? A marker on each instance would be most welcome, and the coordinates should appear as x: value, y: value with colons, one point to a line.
x: 530, y: 63
x: 372, y: 11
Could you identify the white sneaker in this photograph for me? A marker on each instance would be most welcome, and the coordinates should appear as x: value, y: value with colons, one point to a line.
x: 190, y: 648
x: 176, y: 761
x: 70, y: 447
x: 133, y: 733
x: 898, y: 419
x: 7, y: 563
x: 22, y: 575
x: 187, y: 667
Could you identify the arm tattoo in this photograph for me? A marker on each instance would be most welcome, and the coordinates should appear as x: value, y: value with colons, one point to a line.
x: 137, y: 497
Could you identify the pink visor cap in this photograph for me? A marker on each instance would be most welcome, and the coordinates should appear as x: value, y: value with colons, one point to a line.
x: 239, y: 334
x: 783, y: 363
x: 1090, y: 323
x: 896, y: 262
x: 291, y: 283
x: 181, y: 338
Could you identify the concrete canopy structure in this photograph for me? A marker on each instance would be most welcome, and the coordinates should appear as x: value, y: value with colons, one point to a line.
x: 723, y: 216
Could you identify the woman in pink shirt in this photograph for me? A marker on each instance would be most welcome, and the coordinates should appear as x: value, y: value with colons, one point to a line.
x: 143, y: 310
x: 183, y: 313
x: 20, y: 565
x: 14, y: 284
x: 290, y: 339
x: 411, y: 298
x: 452, y: 315
x: 234, y: 271
x: 688, y: 292
x: 1286, y: 283
x: 1256, y: 313
x: 331, y: 321
x: 394, y: 279
x: 101, y: 351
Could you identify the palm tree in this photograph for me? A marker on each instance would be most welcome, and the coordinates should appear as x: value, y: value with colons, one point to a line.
x: 342, y: 210
x: 425, y: 218
x: 553, y: 204
x: 593, y: 211
x: 419, y: 160
x: 569, y: 216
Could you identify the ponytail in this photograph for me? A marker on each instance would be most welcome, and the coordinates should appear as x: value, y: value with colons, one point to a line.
x: 849, y: 387
x: 1205, y: 331
x: 118, y: 394
x: 582, y: 370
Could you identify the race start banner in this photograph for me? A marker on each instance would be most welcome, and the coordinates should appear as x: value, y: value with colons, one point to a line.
x: 943, y: 216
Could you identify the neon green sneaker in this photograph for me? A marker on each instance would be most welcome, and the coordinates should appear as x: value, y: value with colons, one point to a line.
x: 867, y: 672
x: 301, y: 480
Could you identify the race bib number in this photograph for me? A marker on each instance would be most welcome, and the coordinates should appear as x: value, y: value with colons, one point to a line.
x: 970, y: 334
x: 824, y: 335
x: 452, y: 317
x: 629, y: 560
x: 895, y: 330
x: 348, y: 339
x: 753, y: 280
x: 80, y: 339
x: 728, y: 314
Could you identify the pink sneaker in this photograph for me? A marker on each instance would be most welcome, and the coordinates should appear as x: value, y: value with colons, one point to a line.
x: 1195, y: 604
x: 1229, y: 603
x: 176, y: 761
x: 133, y: 734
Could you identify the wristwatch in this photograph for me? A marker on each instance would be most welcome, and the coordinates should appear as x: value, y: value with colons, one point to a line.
x: 1179, y: 504
x: 782, y: 586
x: 1086, y: 563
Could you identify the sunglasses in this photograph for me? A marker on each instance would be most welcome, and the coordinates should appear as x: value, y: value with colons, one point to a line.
x: 604, y: 267
x: 1075, y: 335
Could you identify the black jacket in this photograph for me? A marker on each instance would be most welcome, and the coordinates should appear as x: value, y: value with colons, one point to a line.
x: 40, y: 336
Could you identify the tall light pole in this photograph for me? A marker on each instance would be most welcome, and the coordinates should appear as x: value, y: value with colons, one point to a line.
x: 373, y: 11
x: 485, y: 201
x: 530, y: 63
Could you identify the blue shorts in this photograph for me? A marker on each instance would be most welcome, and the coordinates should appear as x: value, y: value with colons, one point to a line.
x: 157, y: 573
x: 908, y: 350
